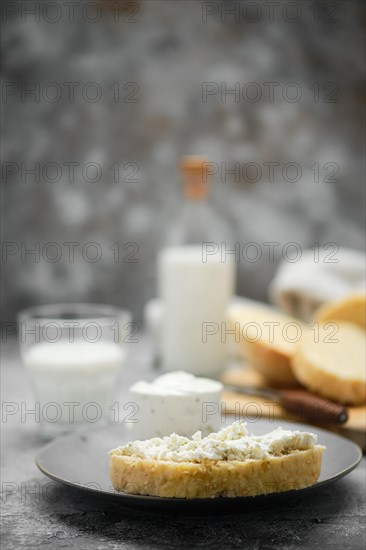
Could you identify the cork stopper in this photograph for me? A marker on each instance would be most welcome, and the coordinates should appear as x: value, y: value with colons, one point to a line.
x: 195, y: 177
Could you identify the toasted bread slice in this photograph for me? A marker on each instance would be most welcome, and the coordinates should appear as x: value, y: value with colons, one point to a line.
x: 352, y: 309
x: 332, y: 363
x: 268, y: 340
x: 296, y: 470
x: 228, y: 463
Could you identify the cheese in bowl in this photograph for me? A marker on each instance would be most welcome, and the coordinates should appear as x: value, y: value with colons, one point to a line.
x: 175, y: 402
x: 228, y: 463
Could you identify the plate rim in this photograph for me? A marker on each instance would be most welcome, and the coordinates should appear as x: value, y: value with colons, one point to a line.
x: 156, y: 499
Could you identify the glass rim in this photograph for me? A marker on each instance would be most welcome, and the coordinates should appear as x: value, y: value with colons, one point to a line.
x: 73, y: 311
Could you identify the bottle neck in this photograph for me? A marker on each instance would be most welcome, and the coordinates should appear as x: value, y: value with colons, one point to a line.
x: 195, y: 178
x: 195, y: 187
x: 197, y: 220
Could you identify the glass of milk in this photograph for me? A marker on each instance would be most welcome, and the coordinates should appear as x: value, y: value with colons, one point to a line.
x: 74, y: 354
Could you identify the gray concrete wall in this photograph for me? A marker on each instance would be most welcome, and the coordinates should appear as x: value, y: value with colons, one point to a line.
x: 159, y: 65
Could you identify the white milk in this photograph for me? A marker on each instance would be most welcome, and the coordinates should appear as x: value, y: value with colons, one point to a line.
x: 75, y: 372
x: 195, y: 296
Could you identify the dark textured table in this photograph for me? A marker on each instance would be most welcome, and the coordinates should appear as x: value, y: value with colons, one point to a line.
x: 39, y: 513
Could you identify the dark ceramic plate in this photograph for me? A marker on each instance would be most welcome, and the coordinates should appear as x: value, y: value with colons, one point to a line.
x: 80, y: 460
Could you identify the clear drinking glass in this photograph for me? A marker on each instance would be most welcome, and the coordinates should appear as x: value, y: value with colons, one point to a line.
x: 74, y: 354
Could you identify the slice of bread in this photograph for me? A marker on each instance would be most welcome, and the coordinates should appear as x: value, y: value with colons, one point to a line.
x: 268, y: 340
x: 210, y: 479
x: 332, y: 362
x: 228, y: 463
x: 352, y: 309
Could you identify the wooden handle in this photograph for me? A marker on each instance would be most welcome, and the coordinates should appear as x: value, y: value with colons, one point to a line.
x: 312, y: 407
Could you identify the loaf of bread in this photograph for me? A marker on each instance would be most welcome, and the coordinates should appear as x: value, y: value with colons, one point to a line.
x: 330, y: 360
x: 228, y: 463
x: 352, y: 309
x: 268, y: 339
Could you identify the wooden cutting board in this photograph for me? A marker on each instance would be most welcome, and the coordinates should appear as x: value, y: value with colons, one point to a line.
x: 253, y: 407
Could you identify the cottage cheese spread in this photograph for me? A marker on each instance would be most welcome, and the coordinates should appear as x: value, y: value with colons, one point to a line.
x: 176, y: 402
x: 231, y: 443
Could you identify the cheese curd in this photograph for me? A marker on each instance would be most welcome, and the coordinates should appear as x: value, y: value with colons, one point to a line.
x: 230, y: 443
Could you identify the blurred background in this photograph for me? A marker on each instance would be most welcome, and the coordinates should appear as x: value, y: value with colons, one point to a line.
x: 101, y: 99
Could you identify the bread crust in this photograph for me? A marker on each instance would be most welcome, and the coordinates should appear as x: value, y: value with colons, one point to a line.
x: 272, y: 362
x: 269, y: 355
x: 352, y: 309
x: 211, y: 479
